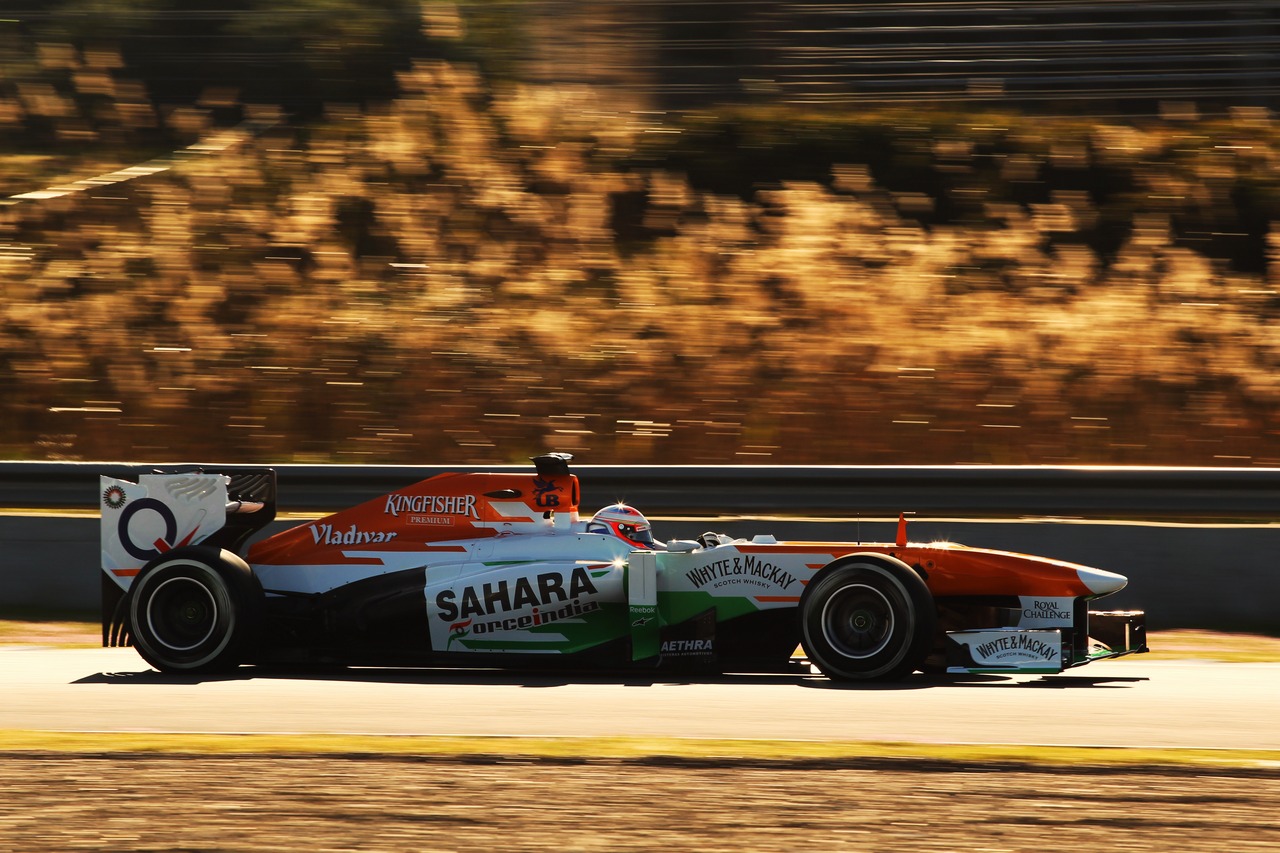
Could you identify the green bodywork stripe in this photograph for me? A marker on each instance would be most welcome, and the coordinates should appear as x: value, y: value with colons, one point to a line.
x: 676, y: 607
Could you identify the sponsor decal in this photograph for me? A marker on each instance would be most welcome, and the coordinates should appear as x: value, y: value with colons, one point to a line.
x: 1042, y: 612
x: 1048, y: 609
x: 1016, y: 647
x: 541, y: 591
x: 645, y: 626
x: 114, y: 497
x: 419, y: 507
x: 743, y: 568
x: 679, y: 648
x: 691, y: 642
x: 538, y: 607
x: 162, y: 544
x: 544, y: 492
x: 326, y: 534
x: 538, y: 617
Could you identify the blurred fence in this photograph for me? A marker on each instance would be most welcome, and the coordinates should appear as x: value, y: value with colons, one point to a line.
x: 685, y: 53
x: 689, y: 53
x: 1210, y: 494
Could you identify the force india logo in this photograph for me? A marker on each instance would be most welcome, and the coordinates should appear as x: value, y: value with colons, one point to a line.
x: 545, y: 593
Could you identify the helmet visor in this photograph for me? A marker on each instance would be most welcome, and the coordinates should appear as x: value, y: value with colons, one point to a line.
x: 637, y: 533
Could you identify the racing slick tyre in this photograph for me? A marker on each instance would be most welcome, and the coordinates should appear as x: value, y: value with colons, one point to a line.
x: 867, y: 619
x: 194, y: 609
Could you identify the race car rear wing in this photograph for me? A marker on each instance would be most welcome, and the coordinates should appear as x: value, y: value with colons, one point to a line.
x: 167, y: 508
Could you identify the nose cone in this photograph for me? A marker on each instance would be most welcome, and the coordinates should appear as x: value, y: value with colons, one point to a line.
x: 1100, y: 582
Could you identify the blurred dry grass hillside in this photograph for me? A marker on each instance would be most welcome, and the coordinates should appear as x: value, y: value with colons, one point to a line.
x: 476, y: 271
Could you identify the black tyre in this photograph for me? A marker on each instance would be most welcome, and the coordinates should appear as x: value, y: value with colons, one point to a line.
x: 194, y: 610
x: 867, y: 619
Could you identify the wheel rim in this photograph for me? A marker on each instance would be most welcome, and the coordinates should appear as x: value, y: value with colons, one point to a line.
x: 858, y: 621
x: 182, y: 614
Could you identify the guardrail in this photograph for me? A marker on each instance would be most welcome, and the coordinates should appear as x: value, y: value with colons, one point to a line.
x: 1110, y: 55
x: 1183, y: 575
x: 1208, y: 494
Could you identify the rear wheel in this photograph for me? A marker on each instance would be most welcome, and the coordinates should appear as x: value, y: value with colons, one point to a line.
x: 867, y: 619
x: 194, y: 610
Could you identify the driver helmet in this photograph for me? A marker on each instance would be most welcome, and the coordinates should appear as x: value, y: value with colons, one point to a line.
x: 624, y: 522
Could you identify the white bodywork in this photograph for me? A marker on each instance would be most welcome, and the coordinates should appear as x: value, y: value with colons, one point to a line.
x: 141, y: 521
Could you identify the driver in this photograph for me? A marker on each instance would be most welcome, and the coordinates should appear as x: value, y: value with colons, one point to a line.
x: 627, y: 524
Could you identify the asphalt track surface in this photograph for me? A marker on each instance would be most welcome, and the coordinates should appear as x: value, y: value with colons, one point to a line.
x: 1130, y: 702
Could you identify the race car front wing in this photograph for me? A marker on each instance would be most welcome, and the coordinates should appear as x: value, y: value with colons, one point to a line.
x: 1107, y: 634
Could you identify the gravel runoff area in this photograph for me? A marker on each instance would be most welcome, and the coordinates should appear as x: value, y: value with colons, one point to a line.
x: 61, y: 802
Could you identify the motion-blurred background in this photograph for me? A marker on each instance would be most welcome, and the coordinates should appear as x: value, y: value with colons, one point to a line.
x: 643, y: 232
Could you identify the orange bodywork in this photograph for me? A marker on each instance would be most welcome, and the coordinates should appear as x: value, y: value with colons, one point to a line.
x: 952, y: 570
x: 440, y: 509
x: 434, y: 514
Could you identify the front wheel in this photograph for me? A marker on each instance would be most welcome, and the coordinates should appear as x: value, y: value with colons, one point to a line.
x: 194, y: 610
x: 867, y: 620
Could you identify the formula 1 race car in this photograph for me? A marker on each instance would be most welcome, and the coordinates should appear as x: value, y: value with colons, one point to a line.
x: 498, y: 570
